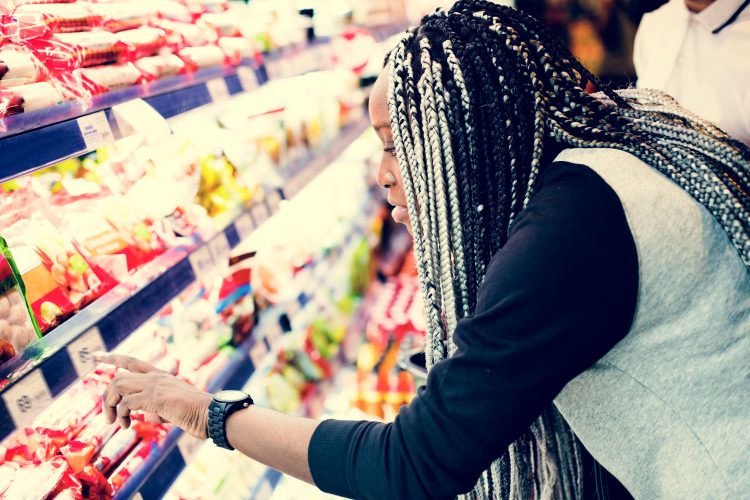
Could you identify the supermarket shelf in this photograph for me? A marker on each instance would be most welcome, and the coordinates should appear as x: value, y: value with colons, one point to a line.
x: 63, y: 355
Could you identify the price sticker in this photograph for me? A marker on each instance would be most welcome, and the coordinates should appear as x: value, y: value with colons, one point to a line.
x: 220, y: 250
x: 260, y: 214
x: 218, y: 90
x: 248, y: 78
x: 82, y: 349
x: 273, y: 198
x: 202, y: 263
x: 257, y: 353
x: 189, y: 447
x: 244, y: 226
x: 95, y: 130
x: 138, y: 117
x: 27, y: 397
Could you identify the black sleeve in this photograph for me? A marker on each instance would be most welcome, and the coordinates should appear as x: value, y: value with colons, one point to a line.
x: 556, y: 298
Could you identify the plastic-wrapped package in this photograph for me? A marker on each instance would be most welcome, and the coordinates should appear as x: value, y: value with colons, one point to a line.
x: 206, y: 6
x: 120, y: 16
x: 115, y: 449
x: 142, y: 42
x: 94, y: 48
x: 55, y: 18
x: 156, y: 67
x: 25, y: 98
x: 36, y: 481
x: 17, y: 325
x: 172, y: 10
x: 236, y: 48
x: 112, y: 76
x: 187, y: 35
x: 129, y: 465
x: 224, y: 23
x: 18, y: 66
x: 203, y: 57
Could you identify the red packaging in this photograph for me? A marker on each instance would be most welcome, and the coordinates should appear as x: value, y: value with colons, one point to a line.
x: 224, y: 23
x: 202, y: 57
x: 26, y: 98
x: 199, y: 7
x: 115, y: 449
x: 19, y: 66
x: 142, y: 42
x: 120, y: 16
x: 155, y: 67
x: 111, y: 77
x: 236, y: 49
x: 131, y: 464
x: 93, y: 49
x: 180, y: 35
x: 43, y: 19
x: 173, y: 10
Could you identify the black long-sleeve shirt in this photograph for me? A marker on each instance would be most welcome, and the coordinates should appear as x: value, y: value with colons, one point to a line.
x: 556, y: 298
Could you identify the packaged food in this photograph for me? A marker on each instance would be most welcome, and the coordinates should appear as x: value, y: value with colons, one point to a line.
x: 19, y: 67
x: 202, y: 57
x: 181, y: 34
x: 224, y: 23
x: 36, y: 481
x: 161, y: 66
x: 129, y: 465
x: 142, y: 42
x: 31, y: 97
x: 55, y: 18
x: 199, y: 7
x: 115, y: 449
x: 120, y: 16
x: 94, y: 48
x: 17, y: 326
x: 236, y: 48
x: 112, y: 76
x: 172, y: 10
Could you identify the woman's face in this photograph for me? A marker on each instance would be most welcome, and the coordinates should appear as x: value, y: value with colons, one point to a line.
x: 389, y: 175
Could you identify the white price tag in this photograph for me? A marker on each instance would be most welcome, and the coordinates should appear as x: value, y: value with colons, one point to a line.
x: 95, y: 130
x: 248, y: 78
x: 27, y: 397
x: 260, y: 214
x: 258, y: 352
x: 189, y: 447
x: 220, y: 249
x: 81, y: 351
x: 218, y: 90
x: 244, y: 226
x: 202, y: 263
x: 138, y: 117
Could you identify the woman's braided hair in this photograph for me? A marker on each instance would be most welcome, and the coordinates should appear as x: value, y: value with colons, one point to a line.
x: 480, y: 99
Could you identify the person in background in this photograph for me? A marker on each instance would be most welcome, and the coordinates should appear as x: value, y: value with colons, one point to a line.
x: 698, y: 51
x: 584, y: 262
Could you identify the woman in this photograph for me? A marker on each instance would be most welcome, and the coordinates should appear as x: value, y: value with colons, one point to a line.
x: 608, y: 281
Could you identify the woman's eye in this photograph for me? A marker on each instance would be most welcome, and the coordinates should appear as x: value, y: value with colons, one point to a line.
x: 391, y: 151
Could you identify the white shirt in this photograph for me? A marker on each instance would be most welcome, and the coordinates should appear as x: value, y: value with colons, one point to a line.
x: 709, y: 74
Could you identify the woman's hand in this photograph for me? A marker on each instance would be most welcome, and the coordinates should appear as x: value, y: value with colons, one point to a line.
x: 155, y: 391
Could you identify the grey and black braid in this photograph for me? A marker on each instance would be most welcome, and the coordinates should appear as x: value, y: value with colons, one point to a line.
x: 480, y: 99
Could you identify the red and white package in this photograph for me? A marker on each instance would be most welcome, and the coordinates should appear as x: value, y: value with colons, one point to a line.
x: 162, y: 66
x: 94, y: 48
x: 36, y: 481
x: 19, y: 66
x: 31, y: 97
x: 143, y: 42
x: 187, y: 35
x: 115, y: 449
x: 172, y: 10
x: 224, y: 23
x: 38, y: 19
x: 236, y: 48
x: 199, y: 7
x: 112, y: 76
x: 120, y: 16
x: 130, y: 464
x: 202, y: 57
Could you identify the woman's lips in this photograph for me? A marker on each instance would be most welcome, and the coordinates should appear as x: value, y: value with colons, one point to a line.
x: 400, y: 214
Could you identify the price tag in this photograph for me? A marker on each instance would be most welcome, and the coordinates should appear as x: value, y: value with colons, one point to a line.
x: 95, y: 130
x: 273, y: 198
x: 260, y: 214
x: 220, y: 250
x: 189, y: 447
x: 244, y: 226
x: 217, y: 89
x: 81, y: 351
x: 272, y: 69
x: 257, y: 353
x: 202, y: 263
x: 27, y: 397
x: 138, y: 117
x: 248, y: 78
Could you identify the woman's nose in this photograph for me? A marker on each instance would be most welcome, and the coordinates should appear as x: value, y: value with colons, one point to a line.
x: 387, y: 179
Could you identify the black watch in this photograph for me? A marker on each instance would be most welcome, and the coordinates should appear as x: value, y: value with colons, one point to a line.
x: 224, y: 404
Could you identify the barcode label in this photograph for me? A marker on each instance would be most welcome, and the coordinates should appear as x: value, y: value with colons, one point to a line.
x: 217, y: 89
x: 27, y: 398
x: 95, y: 130
x: 82, y: 349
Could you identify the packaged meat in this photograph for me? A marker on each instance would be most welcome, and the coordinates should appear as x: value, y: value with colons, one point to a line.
x: 131, y: 464
x: 37, y: 19
x: 120, y: 16
x: 156, y: 67
x: 115, y: 449
x: 112, y: 76
x: 224, y: 23
x: 31, y: 97
x: 236, y: 48
x: 94, y: 48
x: 142, y: 42
x: 17, y: 326
x: 36, y: 481
x: 19, y: 67
x: 181, y: 34
x: 202, y: 57
x: 199, y: 7
x: 172, y: 10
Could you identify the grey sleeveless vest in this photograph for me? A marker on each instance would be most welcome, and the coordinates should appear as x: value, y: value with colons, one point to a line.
x: 667, y: 410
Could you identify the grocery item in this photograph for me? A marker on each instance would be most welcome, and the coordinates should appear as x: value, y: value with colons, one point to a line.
x: 99, y: 47
x: 18, y: 67
x: 26, y: 98
x: 119, y: 16
x: 202, y: 57
x: 35, y: 19
x: 111, y: 76
x: 17, y: 326
x: 143, y: 41
x: 155, y: 67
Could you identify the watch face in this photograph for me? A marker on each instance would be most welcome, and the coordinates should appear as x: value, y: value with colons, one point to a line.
x: 230, y: 396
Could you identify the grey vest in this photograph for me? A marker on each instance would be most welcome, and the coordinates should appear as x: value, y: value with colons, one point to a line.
x: 667, y: 410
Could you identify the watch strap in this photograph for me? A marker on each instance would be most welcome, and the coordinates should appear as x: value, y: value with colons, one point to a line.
x: 217, y: 419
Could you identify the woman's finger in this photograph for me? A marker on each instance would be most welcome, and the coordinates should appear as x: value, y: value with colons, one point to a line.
x: 127, y: 362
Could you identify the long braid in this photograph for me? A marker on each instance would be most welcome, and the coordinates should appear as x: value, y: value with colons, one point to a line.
x: 480, y: 99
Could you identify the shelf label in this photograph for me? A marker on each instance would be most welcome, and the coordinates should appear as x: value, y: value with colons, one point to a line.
x: 95, y: 130
x: 248, y: 78
x: 218, y: 90
x: 220, y: 250
x: 81, y: 351
x: 138, y: 117
x: 257, y: 353
x: 202, y: 263
x: 27, y: 398
x: 260, y: 214
x: 244, y: 226
x: 189, y: 446
x: 273, y: 198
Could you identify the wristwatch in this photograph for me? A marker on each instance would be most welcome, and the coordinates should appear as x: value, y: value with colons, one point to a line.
x: 224, y: 404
